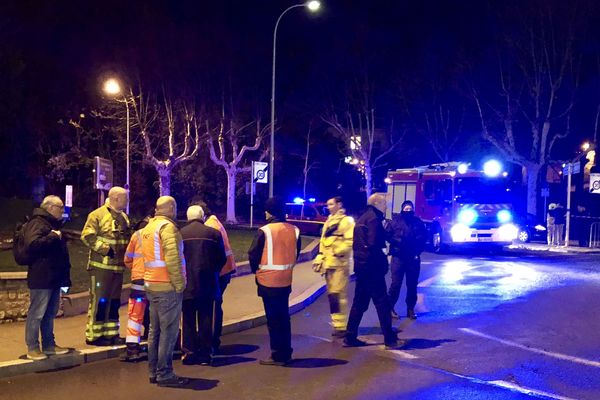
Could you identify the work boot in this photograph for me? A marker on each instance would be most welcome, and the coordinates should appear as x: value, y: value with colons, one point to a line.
x: 99, y: 342
x: 270, y: 361
x: 132, y: 353
x: 174, y: 382
x: 354, y: 342
x: 397, y: 345
x: 55, y: 350
x: 117, y: 341
x: 338, y: 333
x: 410, y: 313
x: 36, y: 355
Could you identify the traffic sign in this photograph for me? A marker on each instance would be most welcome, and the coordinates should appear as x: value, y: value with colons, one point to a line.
x: 595, y: 183
x: 103, y: 173
x: 69, y: 196
x: 575, y: 169
x: 545, y: 192
x: 260, y: 172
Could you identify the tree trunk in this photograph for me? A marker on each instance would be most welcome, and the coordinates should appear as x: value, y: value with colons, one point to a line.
x: 231, y: 179
x: 368, y: 181
x: 533, y: 173
x: 164, y: 180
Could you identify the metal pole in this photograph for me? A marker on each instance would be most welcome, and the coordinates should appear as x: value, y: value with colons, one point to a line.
x: 568, y: 227
x: 127, y: 171
x: 272, y: 148
x: 252, y: 196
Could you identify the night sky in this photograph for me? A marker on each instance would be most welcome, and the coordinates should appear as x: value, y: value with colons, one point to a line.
x: 54, y: 56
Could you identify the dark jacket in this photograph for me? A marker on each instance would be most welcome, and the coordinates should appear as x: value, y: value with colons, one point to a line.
x: 369, y: 242
x: 51, y: 266
x: 255, y: 254
x: 406, y: 235
x: 204, y: 257
x: 559, y: 215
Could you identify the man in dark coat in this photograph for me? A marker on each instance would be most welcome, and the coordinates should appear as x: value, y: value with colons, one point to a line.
x: 204, y: 257
x: 370, y: 266
x: 407, y: 236
x: 48, y: 271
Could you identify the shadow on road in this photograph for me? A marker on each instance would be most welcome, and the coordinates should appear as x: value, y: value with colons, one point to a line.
x: 230, y: 360
x: 315, y: 362
x: 237, y: 349
x: 201, y: 384
x: 417, y: 344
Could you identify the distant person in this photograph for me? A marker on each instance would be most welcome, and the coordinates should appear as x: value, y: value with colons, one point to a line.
x: 550, y: 225
x: 559, y: 223
x: 106, y: 233
x: 272, y: 257
x: 165, y: 281
x: 335, y: 248
x: 47, y: 272
x: 228, y: 270
x: 370, y: 267
x: 205, y: 257
x: 407, y: 237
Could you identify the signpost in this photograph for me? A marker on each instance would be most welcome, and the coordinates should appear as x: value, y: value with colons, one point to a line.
x: 68, y: 201
x: 259, y: 175
x: 595, y: 183
x: 103, y: 177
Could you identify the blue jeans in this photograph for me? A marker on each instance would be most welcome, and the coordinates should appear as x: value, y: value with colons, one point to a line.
x: 42, y: 311
x: 165, y: 314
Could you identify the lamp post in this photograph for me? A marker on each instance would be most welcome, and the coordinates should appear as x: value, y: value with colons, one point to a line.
x: 113, y: 88
x: 313, y: 6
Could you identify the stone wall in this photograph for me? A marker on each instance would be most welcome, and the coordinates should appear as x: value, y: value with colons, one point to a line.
x: 14, y: 296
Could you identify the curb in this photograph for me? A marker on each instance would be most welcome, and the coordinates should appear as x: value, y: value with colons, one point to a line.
x: 79, y: 357
x: 555, y: 250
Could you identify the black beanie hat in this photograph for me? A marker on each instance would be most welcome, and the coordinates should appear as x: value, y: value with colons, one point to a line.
x: 276, y: 207
x: 407, y: 203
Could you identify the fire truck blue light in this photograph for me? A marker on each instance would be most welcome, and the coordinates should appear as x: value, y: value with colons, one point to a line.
x: 298, y: 200
x: 467, y: 217
x: 462, y: 168
x: 492, y: 168
x: 504, y: 216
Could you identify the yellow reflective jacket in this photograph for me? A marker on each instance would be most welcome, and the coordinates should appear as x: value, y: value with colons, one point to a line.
x: 106, y: 229
x: 335, y: 245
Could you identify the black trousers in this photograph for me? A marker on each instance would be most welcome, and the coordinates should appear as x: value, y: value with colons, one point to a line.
x: 197, y: 329
x: 279, y: 324
x: 399, y: 268
x: 371, y: 286
x: 218, y: 328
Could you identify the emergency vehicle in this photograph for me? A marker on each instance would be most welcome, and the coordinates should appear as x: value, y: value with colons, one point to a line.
x: 459, y: 205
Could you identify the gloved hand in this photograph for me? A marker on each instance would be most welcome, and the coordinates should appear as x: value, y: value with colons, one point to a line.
x: 110, y: 253
x: 318, y: 264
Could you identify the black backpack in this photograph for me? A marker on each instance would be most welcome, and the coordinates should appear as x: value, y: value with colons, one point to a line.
x: 20, y: 251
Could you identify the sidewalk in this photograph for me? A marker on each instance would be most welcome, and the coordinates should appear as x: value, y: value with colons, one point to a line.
x: 242, y: 309
x: 541, y: 247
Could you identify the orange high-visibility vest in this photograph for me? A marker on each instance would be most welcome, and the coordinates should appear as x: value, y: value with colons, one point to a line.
x: 229, y: 266
x: 155, y: 267
x: 279, y: 255
x: 134, y: 260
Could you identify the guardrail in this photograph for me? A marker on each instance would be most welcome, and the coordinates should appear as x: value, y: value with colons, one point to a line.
x: 595, y: 235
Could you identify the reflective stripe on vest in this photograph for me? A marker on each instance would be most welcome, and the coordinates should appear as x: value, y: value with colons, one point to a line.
x: 279, y: 255
x: 134, y: 257
x: 229, y: 266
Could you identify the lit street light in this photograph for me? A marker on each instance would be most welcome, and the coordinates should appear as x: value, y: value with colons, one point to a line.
x: 313, y: 6
x: 113, y: 88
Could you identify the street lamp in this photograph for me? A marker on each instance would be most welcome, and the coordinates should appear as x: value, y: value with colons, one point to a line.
x: 313, y: 6
x: 112, y: 87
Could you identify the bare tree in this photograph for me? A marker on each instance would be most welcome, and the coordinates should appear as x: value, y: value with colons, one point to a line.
x: 170, y: 132
x: 357, y: 126
x: 230, y: 156
x: 530, y: 109
x: 307, y: 166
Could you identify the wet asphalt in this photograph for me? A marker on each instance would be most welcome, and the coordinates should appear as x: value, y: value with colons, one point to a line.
x: 490, y: 326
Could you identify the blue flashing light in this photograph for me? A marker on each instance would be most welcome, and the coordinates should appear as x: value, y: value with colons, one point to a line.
x: 463, y: 168
x: 492, y: 168
x: 504, y: 216
x: 467, y: 216
x: 102, y: 300
x: 139, y: 299
x: 298, y: 200
x: 312, y: 200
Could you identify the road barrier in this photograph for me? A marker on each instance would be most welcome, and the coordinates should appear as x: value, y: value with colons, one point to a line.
x: 595, y: 235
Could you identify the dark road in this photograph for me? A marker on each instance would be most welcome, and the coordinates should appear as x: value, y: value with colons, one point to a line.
x: 489, y: 327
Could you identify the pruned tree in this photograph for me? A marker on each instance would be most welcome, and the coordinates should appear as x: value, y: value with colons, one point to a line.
x: 358, y: 128
x: 529, y: 109
x: 230, y: 136
x: 170, y: 132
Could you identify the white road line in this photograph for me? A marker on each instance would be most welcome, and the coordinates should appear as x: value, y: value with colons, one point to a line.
x: 514, y: 386
x: 427, y: 282
x: 397, y: 353
x: 320, y: 338
x: 426, y: 262
x: 560, y: 356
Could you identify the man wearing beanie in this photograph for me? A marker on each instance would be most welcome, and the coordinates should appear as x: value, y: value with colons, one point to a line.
x: 272, y: 257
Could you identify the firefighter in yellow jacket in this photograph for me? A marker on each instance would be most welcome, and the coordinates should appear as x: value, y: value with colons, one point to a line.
x: 106, y: 233
x: 333, y: 261
x: 272, y: 257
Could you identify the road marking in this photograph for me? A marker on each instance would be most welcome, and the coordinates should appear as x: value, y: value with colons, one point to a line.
x: 560, y: 356
x: 427, y: 282
x: 320, y: 338
x: 426, y: 262
x: 399, y: 353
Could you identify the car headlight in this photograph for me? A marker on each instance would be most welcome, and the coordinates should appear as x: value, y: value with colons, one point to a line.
x: 504, y: 216
x: 460, y: 233
x: 508, y: 233
x: 467, y: 216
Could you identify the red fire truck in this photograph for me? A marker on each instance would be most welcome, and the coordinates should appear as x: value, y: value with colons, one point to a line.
x: 459, y: 205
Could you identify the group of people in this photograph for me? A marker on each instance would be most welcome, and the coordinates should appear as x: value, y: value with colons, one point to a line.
x: 366, y: 241
x: 180, y: 274
x: 555, y: 224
